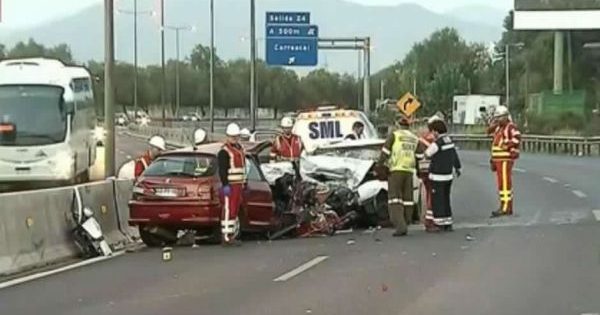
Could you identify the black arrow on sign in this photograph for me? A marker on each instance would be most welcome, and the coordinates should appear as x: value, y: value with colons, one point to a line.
x: 407, y: 103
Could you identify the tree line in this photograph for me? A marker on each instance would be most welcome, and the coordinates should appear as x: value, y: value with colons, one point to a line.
x: 440, y: 66
x: 277, y: 88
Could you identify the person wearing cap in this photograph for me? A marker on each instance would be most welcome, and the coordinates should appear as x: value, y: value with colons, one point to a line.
x: 505, y: 151
x: 444, y: 167
x: 286, y: 146
x: 423, y: 163
x: 199, y: 137
x: 231, y: 161
x: 358, y: 129
x: 245, y: 134
x: 157, y: 145
x: 399, y: 152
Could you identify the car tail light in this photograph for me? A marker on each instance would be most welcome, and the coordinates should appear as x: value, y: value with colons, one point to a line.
x: 205, y: 192
x: 140, y: 189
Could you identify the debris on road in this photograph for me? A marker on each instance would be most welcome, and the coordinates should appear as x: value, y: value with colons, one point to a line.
x: 350, y: 242
x: 469, y: 237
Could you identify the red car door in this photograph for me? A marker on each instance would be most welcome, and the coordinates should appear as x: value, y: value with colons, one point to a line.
x: 258, y: 198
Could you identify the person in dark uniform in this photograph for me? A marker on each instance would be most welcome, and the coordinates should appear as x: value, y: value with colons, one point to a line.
x: 444, y: 167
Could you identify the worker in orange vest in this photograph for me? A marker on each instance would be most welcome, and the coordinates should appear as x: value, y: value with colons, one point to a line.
x: 232, y: 172
x: 425, y: 140
x: 505, y: 151
x: 157, y: 145
x: 286, y: 146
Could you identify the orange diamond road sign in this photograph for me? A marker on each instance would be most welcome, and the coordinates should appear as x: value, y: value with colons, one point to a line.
x: 408, y: 104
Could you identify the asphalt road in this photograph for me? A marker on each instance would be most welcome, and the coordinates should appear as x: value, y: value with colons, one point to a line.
x: 544, y: 261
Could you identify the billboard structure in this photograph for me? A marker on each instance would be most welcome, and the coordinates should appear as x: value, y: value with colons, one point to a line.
x: 556, y: 15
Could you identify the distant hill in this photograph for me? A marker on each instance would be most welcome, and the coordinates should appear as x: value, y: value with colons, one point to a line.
x: 479, y: 14
x: 394, y: 29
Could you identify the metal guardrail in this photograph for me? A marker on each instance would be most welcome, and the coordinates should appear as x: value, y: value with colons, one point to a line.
x: 577, y: 146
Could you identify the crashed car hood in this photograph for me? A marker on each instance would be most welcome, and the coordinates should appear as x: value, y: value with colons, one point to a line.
x: 352, y: 144
x: 321, y: 168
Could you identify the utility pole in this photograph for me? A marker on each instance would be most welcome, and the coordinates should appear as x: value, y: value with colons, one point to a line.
x: 507, y: 66
x: 252, y: 64
x: 163, y: 84
x: 367, y: 78
x: 359, y: 78
x: 177, y: 82
x: 135, y: 59
x: 559, y: 50
x: 109, y: 96
x: 212, y: 67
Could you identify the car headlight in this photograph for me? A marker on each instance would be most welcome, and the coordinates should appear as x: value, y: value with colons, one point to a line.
x: 144, y: 121
x: 62, y: 164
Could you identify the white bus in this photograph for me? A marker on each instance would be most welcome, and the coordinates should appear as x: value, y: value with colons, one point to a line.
x: 47, y: 120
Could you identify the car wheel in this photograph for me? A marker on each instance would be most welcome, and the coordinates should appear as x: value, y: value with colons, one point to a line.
x: 153, y: 240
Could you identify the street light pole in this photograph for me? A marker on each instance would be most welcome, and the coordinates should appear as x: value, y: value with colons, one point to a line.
x: 163, y: 84
x: 507, y: 66
x: 135, y: 13
x: 252, y: 64
x: 135, y: 59
x: 212, y: 67
x: 367, y: 78
x: 177, y: 83
x: 109, y: 96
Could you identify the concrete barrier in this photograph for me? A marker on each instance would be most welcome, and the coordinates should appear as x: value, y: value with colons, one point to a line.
x: 123, y: 190
x: 35, y: 229
x: 100, y: 198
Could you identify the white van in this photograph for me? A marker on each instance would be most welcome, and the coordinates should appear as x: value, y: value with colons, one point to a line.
x: 47, y: 121
x: 328, y: 125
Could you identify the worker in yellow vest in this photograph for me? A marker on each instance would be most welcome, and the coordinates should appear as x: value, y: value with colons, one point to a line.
x: 399, y: 151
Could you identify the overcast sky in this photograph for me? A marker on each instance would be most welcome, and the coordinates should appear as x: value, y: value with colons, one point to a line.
x: 23, y: 13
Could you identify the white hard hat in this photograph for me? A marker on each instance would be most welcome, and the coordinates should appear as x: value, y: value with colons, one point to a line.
x: 233, y: 130
x: 245, y: 132
x: 501, y: 111
x: 433, y: 118
x: 287, y: 122
x: 158, y: 142
x: 199, y: 136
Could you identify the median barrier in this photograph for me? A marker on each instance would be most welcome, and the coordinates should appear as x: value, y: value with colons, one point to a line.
x: 123, y: 189
x: 36, y: 229
x: 100, y: 198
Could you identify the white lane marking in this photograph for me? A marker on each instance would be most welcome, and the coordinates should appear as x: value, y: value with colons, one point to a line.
x: 536, y: 218
x: 596, y: 214
x: 519, y: 170
x: 300, y: 269
x: 590, y: 314
x: 579, y: 194
x: 48, y: 273
x: 550, y: 179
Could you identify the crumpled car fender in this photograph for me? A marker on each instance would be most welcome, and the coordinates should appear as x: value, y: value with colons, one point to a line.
x: 370, y: 189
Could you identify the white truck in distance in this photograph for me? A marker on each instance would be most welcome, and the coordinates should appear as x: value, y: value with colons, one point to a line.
x: 47, y: 121
x: 468, y: 109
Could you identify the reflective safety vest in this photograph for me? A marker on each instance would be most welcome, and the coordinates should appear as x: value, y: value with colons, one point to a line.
x: 141, y: 164
x: 402, y: 154
x: 424, y: 142
x: 237, y: 164
x: 286, y: 148
x: 505, y: 145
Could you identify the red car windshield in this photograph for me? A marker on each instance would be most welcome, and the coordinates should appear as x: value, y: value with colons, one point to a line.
x: 182, y: 165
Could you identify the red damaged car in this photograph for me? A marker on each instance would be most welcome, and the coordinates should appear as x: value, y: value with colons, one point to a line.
x: 179, y: 191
